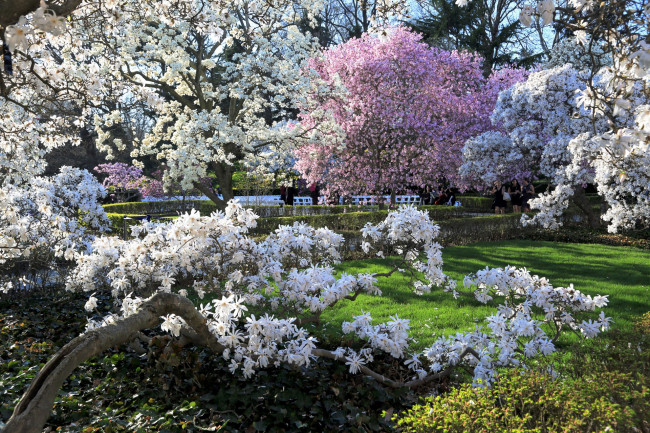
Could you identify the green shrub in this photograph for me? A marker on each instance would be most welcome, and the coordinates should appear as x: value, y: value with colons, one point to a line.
x: 270, y: 211
x: 352, y: 221
x: 601, y: 385
x: 339, y: 221
x: 461, y: 231
x: 476, y: 204
x: 152, y: 207
x: 583, y: 234
x: 530, y: 401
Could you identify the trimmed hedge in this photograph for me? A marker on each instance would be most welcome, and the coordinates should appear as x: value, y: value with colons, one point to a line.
x: 152, y: 207
x: 118, y: 223
x: 271, y: 211
x: 268, y: 211
x: 476, y: 204
x: 206, y: 207
x: 455, y: 230
x: 353, y: 221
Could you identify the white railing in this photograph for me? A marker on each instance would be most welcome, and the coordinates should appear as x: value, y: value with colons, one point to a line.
x: 399, y: 199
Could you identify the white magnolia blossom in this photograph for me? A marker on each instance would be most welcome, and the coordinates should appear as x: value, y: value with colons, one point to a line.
x: 220, y: 78
x: 289, y: 277
x: 47, y: 220
x: 515, y: 331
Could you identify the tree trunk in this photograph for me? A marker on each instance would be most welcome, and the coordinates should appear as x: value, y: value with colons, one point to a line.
x: 224, y: 174
x: 580, y: 199
x: 34, y: 407
x: 209, y: 193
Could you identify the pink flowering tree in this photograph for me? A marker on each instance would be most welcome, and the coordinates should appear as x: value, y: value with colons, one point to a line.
x: 121, y: 175
x: 396, y: 115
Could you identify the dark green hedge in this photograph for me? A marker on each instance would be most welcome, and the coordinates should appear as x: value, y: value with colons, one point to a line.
x: 206, y: 207
x: 270, y: 211
x: 119, y: 223
x: 457, y: 231
x: 351, y: 221
x: 152, y: 207
x: 476, y: 204
x: 458, y: 228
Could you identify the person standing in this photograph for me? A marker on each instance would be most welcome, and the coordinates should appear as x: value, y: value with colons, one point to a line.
x: 313, y: 193
x: 442, y: 197
x: 515, y: 195
x: 527, y: 192
x: 499, y: 202
x: 291, y: 192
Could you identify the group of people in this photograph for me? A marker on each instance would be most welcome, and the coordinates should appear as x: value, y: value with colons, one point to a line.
x: 441, y: 197
x: 287, y: 194
x: 519, y: 195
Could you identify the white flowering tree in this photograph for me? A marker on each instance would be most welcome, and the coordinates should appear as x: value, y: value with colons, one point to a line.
x: 289, y: 276
x: 220, y: 78
x: 44, y: 221
x: 579, y: 127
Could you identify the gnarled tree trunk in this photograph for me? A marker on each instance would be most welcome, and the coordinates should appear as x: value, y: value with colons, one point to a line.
x: 35, y: 406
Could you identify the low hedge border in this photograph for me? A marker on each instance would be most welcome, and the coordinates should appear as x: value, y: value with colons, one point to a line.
x: 206, y: 207
x: 454, y: 231
x: 457, y: 231
x: 152, y: 207
x: 352, y: 221
x: 119, y: 223
x: 267, y: 211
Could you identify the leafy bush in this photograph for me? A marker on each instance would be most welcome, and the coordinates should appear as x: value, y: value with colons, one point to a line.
x: 351, y: 221
x: 271, y: 211
x: 454, y: 231
x: 602, y: 385
x: 530, y: 401
x: 476, y: 204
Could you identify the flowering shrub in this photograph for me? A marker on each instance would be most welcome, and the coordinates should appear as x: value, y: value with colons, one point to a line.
x: 576, y: 127
x: 121, y: 175
x: 288, y: 276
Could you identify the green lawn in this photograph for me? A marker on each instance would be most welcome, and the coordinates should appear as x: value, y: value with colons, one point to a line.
x: 620, y: 272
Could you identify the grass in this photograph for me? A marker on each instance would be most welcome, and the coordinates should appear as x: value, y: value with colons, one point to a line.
x: 622, y: 273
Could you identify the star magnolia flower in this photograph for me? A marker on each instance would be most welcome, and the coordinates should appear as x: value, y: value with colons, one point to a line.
x: 526, y: 15
x: 16, y: 36
x: 91, y: 304
x: 546, y: 10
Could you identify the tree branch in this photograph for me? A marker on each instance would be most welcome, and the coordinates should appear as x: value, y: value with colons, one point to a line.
x: 393, y: 383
